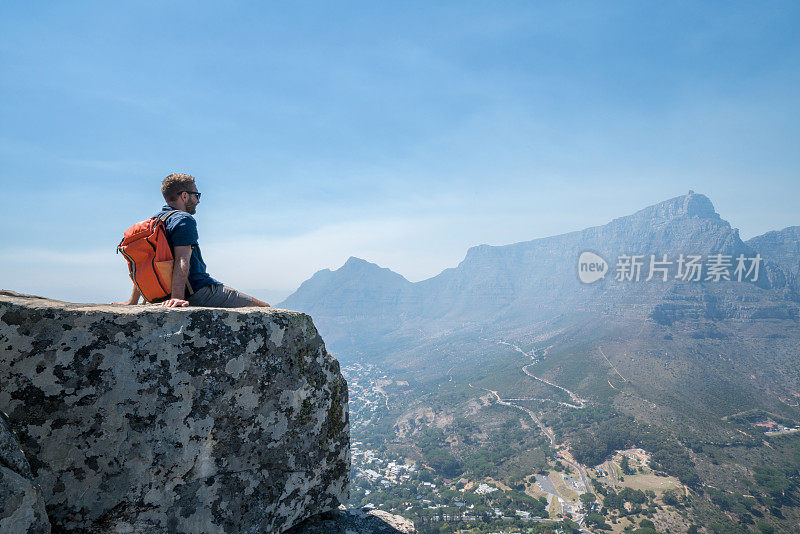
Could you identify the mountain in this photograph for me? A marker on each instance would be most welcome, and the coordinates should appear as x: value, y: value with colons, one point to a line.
x: 358, y: 297
x: 508, y: 364
x: 357, y: 282
x: 782, y: 247
x: 499, y: 288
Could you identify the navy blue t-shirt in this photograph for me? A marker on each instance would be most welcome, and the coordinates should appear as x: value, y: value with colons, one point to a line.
x: 182, y: 232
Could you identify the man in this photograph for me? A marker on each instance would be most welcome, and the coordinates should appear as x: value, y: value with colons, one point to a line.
x: 191, y: 284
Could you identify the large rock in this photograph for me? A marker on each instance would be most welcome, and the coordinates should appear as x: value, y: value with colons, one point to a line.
x: 355, y: 521
x: 148, y: 419
x: 21, y: 502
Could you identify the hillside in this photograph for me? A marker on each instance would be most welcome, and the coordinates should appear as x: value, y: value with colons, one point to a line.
x: 685, y: 368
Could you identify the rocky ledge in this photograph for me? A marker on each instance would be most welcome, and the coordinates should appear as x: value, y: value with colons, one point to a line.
x: 355, y: 521
x: 146, y: 419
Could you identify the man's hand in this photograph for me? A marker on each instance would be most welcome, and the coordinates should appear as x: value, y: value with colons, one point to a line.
x: 127, y: 302
x: 174, y: 303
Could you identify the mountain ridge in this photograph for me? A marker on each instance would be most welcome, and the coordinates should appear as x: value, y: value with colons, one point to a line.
x: 684, y: 206
x: 505, y: 286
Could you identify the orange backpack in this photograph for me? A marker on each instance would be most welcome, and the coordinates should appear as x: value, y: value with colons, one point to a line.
x: 149, y: 257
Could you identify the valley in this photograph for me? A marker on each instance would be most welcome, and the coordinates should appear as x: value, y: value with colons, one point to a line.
x: 516, y: 392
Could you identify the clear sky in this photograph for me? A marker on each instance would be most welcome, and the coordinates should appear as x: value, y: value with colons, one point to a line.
x: 399, y: 132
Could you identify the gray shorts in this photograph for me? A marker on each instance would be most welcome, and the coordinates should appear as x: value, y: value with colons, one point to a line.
x: 219, y: 296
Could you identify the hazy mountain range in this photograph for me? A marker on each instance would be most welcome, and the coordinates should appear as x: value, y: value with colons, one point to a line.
x: 502, y: 288
x: 700, y: 363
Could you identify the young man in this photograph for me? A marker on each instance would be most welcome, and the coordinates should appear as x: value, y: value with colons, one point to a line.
x: 191, y: 284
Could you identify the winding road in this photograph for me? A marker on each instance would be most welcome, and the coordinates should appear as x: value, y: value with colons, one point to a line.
x: 579, y: 404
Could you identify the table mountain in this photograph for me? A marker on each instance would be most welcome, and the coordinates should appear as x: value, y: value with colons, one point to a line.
x: 362, y: 307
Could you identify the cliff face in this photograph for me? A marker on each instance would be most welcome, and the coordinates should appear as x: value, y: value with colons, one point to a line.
x: 21, y: 503
x: 355, y: 521
x: 783, y: 247
x: 146, y: 419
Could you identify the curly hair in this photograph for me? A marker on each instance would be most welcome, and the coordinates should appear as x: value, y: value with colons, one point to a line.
x: 174, y: 184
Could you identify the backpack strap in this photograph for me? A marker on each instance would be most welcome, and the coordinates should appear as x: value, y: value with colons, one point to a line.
x: 166, y: 215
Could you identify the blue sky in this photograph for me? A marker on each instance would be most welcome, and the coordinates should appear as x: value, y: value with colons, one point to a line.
x: 402, y: 133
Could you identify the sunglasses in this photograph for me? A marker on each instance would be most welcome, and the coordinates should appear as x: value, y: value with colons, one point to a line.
x: 192, y: 193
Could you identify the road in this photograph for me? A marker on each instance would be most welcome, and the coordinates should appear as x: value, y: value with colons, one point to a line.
x: 561, y: 455
x: 579, y: 402
x: 547, y: 432
x: 612, y: 366
x: 580, y: 469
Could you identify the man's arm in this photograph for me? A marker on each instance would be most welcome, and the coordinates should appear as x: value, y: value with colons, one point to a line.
x: 134, y: 297
x: 180, y: 272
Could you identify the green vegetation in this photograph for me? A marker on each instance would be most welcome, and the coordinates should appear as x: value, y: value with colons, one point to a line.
x: 625, y: 465
x: 597, y: 521
x: 616, y: 501
x: 646, y: 527
x: 433, y: 503
x: 591, y: 446
x: 461, y: 431
x: 670, y: 498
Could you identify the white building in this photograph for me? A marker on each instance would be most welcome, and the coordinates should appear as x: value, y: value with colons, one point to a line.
x: 484, y: 489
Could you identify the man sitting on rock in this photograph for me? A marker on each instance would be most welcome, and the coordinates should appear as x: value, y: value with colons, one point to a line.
x: 189, y: 274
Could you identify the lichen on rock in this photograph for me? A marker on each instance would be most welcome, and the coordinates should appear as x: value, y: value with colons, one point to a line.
x: 148, y: 419
x: 21, y: 502
x: 355, y: 521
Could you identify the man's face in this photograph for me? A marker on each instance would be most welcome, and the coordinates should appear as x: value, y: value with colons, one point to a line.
x: 191, y: 200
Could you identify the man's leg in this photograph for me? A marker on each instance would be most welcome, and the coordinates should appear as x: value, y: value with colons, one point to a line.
x: 220, y: 296
x: 260, y: 303
x: 237, y: 299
